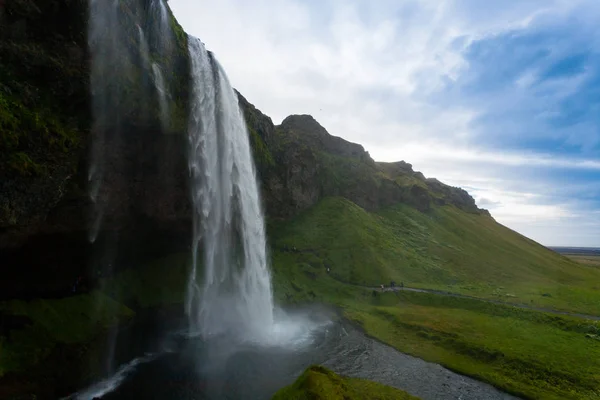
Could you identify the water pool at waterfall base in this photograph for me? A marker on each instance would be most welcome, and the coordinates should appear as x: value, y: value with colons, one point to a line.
x: 191, y: 366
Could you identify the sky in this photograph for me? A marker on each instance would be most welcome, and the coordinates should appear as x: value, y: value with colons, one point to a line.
x: 499, y: 97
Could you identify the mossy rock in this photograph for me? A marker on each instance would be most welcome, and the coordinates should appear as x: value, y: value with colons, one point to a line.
x: 319, y: 383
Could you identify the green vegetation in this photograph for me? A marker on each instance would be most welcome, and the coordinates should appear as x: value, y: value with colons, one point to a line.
x: 342, y: 174
x: 161, y: 282
x: 25, y: 132
x: 318, y: 383
x: 445, y: 249
x: 261, y: 153
x: 70, y: 320
x: 81, y: 318
x: 332, y: 253
x: 526, y: 352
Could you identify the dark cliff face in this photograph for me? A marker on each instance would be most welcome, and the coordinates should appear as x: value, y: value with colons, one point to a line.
x: 44, y: 107
x: 46, y: 213
x: 46, y: 114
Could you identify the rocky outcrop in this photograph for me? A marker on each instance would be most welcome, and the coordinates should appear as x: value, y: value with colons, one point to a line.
x: 424, y: 192
x: 306, y: 130
x: 308, y: 164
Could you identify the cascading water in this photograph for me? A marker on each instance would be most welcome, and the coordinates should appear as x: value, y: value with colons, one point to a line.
x: 161, y: 90
x: 232, y: 298
x: 123, y: 82
x: 157, y: 77
x: 159, y: 17
x: 159, y: 26
x: 234, y: 295
x: 106, y: 49
x: 112, y: 78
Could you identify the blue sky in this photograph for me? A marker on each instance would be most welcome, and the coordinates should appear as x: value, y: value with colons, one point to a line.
x: 499, y: 97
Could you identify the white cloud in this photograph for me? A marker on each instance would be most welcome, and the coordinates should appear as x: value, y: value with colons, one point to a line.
x: 427, y: 152
x: 365, y: 71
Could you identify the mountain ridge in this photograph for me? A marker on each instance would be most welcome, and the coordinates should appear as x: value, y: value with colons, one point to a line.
x: 302, y: 138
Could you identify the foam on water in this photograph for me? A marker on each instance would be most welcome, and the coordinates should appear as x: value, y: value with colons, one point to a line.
x: 110, y: 384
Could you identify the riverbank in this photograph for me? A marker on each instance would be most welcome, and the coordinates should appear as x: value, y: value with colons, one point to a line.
x: 528, y: 353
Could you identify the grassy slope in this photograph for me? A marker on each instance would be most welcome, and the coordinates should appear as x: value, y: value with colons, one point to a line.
x: 533, y: 354
x: 319, y: 383
x: 443, y: 249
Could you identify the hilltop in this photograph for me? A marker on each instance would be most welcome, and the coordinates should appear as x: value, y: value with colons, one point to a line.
x: 300, y: 163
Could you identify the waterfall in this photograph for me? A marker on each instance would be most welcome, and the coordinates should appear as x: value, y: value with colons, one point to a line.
x: 161, y: 91
x: 234, y: 294
x: 116, y: 74
x: 157, y: 76
x: 106, y: 50
x: 126, y: 88
x: 159, y: 17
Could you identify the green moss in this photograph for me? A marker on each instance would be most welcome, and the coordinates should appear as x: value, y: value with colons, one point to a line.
x: 320, y: 383
x: 180, y: 35
x: 80, y: 319
x: 32, y: 139
x: 161, y: 282
x: 261, y: 153
x: 70, y: 320
x: 23, y: 165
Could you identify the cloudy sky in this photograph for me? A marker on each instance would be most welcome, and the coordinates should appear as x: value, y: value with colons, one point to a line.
x: 500, y: 97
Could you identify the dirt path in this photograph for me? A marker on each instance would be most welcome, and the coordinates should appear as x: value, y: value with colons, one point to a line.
x: 505, y: 303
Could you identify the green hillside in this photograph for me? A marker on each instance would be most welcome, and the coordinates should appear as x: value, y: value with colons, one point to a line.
x: 444, y: 248
x: 529, y: 353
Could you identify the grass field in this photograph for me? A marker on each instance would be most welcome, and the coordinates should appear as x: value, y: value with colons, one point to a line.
x: 590, y: 260
x: 318, y: 383
x: 528, y: 353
